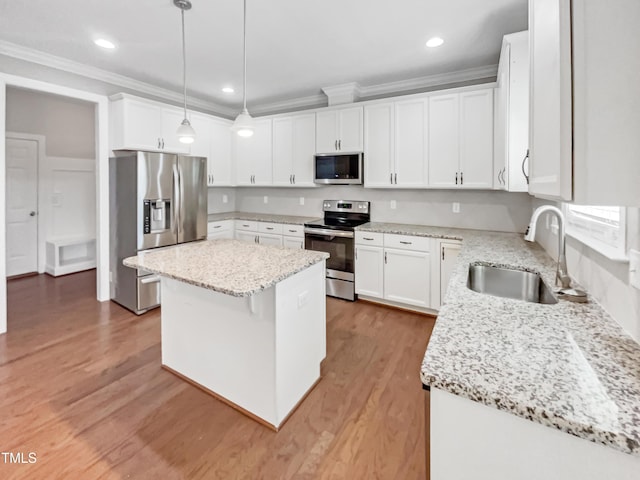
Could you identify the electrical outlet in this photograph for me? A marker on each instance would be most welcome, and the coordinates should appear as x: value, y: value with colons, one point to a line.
x: 634, y: 268
x: 301, y: 200
x: 266, y: 199
x: 393, y: 205
x: 225, y: 199
x: 456, y: 207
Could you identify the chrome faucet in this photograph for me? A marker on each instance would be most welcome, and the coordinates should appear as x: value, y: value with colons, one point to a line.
x: 562, y: 275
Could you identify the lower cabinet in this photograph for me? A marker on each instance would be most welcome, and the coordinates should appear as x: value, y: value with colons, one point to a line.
x: 267, y: 233
x: 293, y: 242
x: 407, y: 277
x: 448, y: 256
x: 220, y: 229
x: 396, y: 268
x: 270, y: 239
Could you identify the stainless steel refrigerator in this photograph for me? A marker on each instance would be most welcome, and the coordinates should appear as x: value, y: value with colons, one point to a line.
x: 155, y: 200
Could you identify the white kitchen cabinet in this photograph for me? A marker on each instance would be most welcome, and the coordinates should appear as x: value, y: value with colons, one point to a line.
x: 246, y: 236
x: 270, y: 239
x: 253, y: 155
x: 395, y: 144
x: 139, y: 124
x: 339, y: 130
x: 449, y: 251
x: 460, y: 140
x: 584, y: 110
x: 369, y: 268
x: 293, y: 242
x: 213, y: 141
x: 512, y: 114
x: 220, y: 229
x: 407, y: 277
x: 294, y: 147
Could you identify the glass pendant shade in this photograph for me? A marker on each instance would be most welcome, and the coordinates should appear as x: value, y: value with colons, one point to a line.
x: 186, y: 133
x: 243, y: 125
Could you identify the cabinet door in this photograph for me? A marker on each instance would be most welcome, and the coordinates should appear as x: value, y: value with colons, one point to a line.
x: 246, y: 236
x: 283, y: 151
x: 501, y: 125
x: 550, y: 122
x: 443, y: 141
x: 351, y: 131
x: 270, y: 239
x: 253, y: 156
x: 293, y: 242
x: 201, y: 147
x: 171, y: 120
x: 476, y: 139
x: 407, y: 277
x: 326, y: 132
x: 378, y: 145
x: 219, y: 235
x: 410, y: 144
x: 369, y: 271
x: 141, y: 124
x: 219, y: 164
x: 304, y: 149
x: 448, y: 257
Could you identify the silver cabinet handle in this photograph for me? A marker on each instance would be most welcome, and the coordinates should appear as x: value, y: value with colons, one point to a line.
x: 456, y: 178
x: 367, y: 238
x: 395, y: 178
x: 292, y: 231
x: 385, y: 257
x: 257, y: 239
x: 339, y: 144
x: 151, y: 279
x: 336, y: 144
x: 356, y: 253
x: 217, y: 226
x: 405, y: 243
x: 442, y: 253
x: 523, y: 171
x: 294, y: 178
x: 391, y: 178
x: 290, y: 178
x: 158, y: 142
x: 269, y: 228
x: 461, y: 178
x: 245, y: 225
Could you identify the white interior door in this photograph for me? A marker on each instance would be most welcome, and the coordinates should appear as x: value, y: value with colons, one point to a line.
x: 22, y: 206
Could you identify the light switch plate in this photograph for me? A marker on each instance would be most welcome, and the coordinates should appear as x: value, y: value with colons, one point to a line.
x: 225, y: 199
x: 634, y: 268
x: 301, y: 200
x: 393, y: 205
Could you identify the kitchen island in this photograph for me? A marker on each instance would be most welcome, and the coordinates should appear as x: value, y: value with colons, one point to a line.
x: 244, y: 322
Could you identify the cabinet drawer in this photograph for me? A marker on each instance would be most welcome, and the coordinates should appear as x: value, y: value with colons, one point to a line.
x: 407, y: 242
x: 264, y: 227
x: 221, y: 226
x: 293, y: 230
x: 369, y: 238
x: 248, y: 225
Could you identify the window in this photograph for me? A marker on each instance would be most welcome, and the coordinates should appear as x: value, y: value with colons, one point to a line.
x: 601, y: 228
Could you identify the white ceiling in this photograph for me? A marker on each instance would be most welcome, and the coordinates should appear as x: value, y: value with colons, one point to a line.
x: 295, y: 47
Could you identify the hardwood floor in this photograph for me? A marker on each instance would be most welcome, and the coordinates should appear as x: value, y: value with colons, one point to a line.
x: 82, y: 387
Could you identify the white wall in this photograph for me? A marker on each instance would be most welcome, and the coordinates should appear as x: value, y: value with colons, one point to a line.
x: 68, y: 124
x: 485, y: 210
x: 606, y: 280
x: 216, y: 201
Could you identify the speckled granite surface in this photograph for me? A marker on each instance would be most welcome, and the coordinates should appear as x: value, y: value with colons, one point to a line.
x: 568, y: 366
x: 227, y: 266
x: 416, y: 230
x: 259, y: 217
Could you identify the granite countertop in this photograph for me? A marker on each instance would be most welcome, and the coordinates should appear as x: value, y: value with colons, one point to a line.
x: 231, y: 267
x: 260, y: 217
x: 568, y: 366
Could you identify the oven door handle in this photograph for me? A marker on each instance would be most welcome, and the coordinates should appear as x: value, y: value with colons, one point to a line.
x: 322, y: 232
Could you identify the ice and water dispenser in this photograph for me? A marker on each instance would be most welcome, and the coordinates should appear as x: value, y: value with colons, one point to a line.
x: 157, y: 215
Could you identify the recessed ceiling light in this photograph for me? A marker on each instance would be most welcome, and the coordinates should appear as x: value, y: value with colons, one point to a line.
x: 434, y: 42
x: 228, y: 90
x: 104, y: 43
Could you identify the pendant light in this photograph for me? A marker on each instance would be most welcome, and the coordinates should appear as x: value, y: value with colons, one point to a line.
x: 186, y: 133
x: 243, y: 125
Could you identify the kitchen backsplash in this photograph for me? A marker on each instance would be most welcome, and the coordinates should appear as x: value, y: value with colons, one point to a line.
x: 606, y: 280
x: 484, y: 210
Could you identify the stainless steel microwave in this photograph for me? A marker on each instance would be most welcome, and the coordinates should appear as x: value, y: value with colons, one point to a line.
x: 339, y: 168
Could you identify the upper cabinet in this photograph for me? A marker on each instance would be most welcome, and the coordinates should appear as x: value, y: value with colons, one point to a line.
x: 139, y: 124
x: 294, y: 147
x: 460, y: 140
x: 213, y: 141
x: 339, y: 130
x: 512, y: 114
x: 395, y: 150
x: 253, y: 155
x: 585, y: 106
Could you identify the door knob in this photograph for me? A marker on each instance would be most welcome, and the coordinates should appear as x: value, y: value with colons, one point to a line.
x: 32, y: 214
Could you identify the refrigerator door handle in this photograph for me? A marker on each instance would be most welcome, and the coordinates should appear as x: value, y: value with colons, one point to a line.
x: 176, y: 200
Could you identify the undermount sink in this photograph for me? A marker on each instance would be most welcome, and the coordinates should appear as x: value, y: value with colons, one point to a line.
x: 509, y: 283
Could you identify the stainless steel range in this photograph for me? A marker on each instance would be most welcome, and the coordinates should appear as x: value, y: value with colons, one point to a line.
x: 334, y: 234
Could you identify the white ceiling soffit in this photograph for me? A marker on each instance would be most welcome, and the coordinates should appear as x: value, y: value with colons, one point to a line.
x: 294, y: 48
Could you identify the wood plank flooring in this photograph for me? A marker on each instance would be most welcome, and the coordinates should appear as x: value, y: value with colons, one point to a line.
x: 82, y: 387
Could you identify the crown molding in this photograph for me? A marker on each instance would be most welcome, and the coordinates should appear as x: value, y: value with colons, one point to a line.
x: 300, y: 103
x: 59, y: 63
